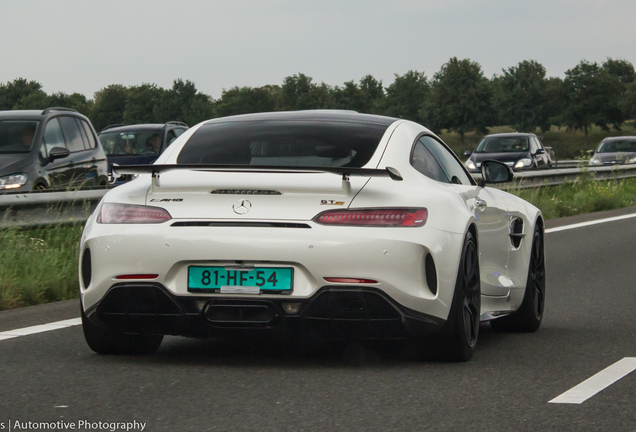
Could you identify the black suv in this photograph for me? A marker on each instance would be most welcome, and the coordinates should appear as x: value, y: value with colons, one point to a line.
x: 138, y: 144
x: 520, y: 151
x: 55, y: 148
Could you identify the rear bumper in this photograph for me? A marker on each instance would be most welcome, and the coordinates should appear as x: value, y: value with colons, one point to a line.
x: 342, y: 313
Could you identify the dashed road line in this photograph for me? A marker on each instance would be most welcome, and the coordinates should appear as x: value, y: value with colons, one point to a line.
x: 593, y: 222
x: 597, y: 383
x: 39, y: 328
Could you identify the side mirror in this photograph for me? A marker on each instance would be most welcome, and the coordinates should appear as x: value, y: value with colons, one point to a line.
x: 468, y: 153
x: 493, y: 171
x: 539, y: 151
x: 590, y: 152
x: 58, y: 153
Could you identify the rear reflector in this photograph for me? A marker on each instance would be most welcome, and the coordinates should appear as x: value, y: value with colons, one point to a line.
x: 138, y: 276
x: 350, y: 280
x: 132, y: 214
x: 397, y: 217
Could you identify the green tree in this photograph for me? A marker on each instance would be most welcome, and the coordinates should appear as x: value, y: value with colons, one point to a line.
x: 76, y: 101
x: 298, y: 92
x: 140, y: 103
x: 22, y: 94
x: 620, y: 74
x: 183, y: 102
x: 109, y: 106
x: 520, y: 96
x: 406, y: 97
x: 461, y: 98
x: 243, y: 100
x: 589, y: 90
x: 366, y: 97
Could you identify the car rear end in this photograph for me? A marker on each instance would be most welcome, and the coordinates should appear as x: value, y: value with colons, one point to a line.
x: 266, y: 241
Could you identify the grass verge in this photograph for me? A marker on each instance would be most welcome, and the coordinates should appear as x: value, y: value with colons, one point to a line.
x: 38, y: 265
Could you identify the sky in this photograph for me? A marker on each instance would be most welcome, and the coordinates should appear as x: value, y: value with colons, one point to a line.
x: 85, y: 45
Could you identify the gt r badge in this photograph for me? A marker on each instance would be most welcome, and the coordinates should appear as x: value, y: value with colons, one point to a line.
x: 242, y: 206
x: 331, y: 202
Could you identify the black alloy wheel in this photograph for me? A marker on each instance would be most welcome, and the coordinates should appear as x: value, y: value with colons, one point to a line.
x: 457, y: 340
x: 529, y: 315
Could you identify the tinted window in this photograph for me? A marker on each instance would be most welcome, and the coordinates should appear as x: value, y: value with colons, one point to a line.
x: 446, y: 167
x: 502, y: 144
x: 617, y: 146
x: 92, y: 143
x: 74, y: 141
x: 179, y: 131
x: 139, y: 142
x: 423, y: 161
x: 283, y: 143
x: 16, y: 136
x: 53, y: 135
x: 170, y: 136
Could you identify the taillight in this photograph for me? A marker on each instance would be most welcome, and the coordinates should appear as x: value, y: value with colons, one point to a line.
x: 394, y: 217
x: 132, y: 214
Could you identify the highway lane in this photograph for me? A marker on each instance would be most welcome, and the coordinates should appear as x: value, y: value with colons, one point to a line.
x: 192, y: 385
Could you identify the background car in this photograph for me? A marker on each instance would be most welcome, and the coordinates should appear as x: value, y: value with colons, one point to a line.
x: 55, y: 148
x: 520, y: 151
x: 614, y: 150
x: 138, y: 144
x: 325, y: 224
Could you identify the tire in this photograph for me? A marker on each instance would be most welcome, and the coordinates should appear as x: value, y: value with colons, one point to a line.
x: 458, y: 337
x: 527, y: 318
x: 104, y: 341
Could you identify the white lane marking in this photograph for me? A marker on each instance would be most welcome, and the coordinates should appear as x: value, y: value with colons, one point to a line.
x: 594, y: 222
x: 597, y: 383
x: 39, y: 328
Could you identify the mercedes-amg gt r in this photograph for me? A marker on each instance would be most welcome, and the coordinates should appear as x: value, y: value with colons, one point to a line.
x: 324, y: 224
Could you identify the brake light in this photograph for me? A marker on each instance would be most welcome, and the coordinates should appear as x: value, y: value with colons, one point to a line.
x: 132, y: 214
x: 350, y: 280
x: 395, y: 217
x: 137, y: 276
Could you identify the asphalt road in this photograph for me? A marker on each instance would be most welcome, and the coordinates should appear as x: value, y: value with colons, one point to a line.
x: 195, y: 385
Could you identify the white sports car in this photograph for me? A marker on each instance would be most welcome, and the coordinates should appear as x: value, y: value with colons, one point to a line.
x: 328, y: 224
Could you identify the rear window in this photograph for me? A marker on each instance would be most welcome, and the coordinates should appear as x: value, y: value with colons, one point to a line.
x: 131, y: 143
x: 16, y: 136
x: 502, y: 145
x: 283, y: 143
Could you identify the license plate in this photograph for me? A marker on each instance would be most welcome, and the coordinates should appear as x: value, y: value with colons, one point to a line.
x: 236, y: 281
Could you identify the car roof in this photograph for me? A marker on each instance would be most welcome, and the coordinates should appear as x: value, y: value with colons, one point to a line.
x: 308, y: 115
x: 510, y: 134
x: 38, y: 114
x: 620, y: 138
x: 139, y: 127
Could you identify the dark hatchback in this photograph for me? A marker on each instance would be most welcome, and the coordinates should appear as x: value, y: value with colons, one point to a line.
x: 55, y: 148
x: 138, y: 144
x: 614, y: 150
x: 520, y: 151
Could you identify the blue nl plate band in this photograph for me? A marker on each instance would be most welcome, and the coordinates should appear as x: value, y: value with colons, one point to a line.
x: 261, y: 278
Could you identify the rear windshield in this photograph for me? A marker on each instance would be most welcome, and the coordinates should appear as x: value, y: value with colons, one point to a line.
x: 615, y: 146
x: 138, y: 142
x: 16, y: 136
x: 502, y: 145
x: 283, y: 143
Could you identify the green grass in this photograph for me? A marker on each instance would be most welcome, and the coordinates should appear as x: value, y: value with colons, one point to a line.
x: 38, y: 265
x: 583, y: 196
x: 567, y: 144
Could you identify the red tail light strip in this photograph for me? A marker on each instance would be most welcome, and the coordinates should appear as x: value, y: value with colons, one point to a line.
x: 350, y: 280
x: 397, y: 217
x: 137, y: 276
x: 132, y: 214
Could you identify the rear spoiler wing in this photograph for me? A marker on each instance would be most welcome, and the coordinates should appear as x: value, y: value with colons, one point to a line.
x: 346, y: 172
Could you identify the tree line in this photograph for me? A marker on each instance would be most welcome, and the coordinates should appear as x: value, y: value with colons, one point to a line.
x: 458, y: 98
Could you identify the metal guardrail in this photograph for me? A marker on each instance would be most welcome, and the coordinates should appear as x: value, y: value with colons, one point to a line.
x: 45, y: 208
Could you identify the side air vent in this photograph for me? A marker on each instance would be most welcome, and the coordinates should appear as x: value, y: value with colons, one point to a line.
x: 516, y: 232
x: 245, y: 192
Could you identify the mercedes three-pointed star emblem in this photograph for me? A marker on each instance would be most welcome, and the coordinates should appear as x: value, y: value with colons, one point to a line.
x: 242, y: 206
